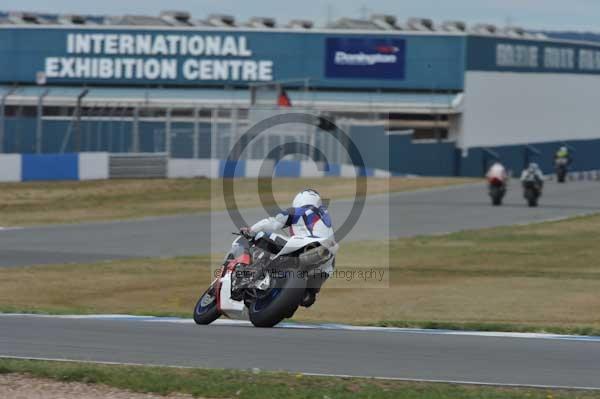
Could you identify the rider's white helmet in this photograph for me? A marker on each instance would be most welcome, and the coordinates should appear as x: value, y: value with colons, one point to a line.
x: 307, y: 198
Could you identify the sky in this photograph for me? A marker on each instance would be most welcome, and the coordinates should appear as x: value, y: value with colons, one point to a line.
x: 531, y: 14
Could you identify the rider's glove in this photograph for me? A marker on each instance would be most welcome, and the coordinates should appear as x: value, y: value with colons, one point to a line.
x: 247, y: 232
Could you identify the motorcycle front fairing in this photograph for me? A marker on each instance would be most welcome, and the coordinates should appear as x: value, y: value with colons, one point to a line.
x: 229, y: 307
x: 239, y: 254
x: 296, y: 243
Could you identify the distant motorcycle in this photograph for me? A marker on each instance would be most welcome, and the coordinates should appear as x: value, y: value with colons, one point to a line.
x: 532, y: 191
x: 263, y: 278
x: 497, y: 190
x: 561, y: 165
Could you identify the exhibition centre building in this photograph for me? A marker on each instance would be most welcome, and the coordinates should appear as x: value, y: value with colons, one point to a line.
x: 441, y: 99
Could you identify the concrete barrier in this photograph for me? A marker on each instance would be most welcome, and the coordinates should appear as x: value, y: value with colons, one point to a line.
x: 260, y: 168
x: 348, y: 171
x: 10, y: 167
x: 49, y: 167
x: 232, y: 169
x: 333, y: 170
x: 382, y: 173
x: 286, y: 168
x: 45, y: 167
x: 93, y: 166
x: 101, y: 165
x: 311, y: 169
x: 189, y: 168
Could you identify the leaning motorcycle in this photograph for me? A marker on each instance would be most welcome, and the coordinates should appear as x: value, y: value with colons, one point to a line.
x: 532, y: 190
x: 561, y: 165
x: 497, y: 190
x: 264, y: 278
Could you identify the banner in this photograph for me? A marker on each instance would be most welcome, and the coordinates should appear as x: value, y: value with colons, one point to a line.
x: 365, y: 58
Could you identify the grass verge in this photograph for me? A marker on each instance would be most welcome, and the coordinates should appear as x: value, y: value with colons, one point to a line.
x: 70, y: 202
x: 250, y: 385
x: 537, y: 278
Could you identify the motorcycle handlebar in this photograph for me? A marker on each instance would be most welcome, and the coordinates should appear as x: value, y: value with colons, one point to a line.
x: 242, y: 233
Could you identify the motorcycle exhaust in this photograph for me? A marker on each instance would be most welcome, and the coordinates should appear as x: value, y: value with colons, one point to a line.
x: 313, y: 257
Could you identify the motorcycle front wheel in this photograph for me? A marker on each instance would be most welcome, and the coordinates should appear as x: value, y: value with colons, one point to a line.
x: 279, y: 302
x: 205, y: 311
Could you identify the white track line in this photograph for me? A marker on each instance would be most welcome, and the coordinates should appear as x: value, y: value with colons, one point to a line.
x: 323, y: 326
x: 457, y: 382
x: 2, y: 228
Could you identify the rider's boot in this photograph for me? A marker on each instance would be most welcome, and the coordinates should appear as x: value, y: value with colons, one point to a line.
x: 315, y: 282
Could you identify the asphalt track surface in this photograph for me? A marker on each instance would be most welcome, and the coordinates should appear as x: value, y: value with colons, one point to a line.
x: 423, y: 212
x: 414, y: 355
x: 393, y: 353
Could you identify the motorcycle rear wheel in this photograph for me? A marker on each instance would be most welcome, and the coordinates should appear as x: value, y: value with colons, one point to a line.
x: 279, y: 302
x: 205, y: 311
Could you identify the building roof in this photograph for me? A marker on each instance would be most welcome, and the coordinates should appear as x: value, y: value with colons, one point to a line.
x: 375, y: 23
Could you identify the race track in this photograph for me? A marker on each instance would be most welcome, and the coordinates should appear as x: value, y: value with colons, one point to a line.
x: 531, y: 360
x: 385, y: 216
x: 527, y: 360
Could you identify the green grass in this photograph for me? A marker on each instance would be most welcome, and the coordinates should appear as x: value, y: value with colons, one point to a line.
x: 35, y: 203
x: 537, y: 278
x: 258, y: 385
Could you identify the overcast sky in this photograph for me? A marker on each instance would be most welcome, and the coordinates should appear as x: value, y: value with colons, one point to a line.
x: 533, y: 14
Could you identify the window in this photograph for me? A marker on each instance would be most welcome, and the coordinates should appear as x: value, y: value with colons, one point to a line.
x: 430, y: 134
x: 20, y: 111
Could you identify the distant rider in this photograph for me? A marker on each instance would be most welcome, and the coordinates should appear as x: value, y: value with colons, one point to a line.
x: 533, y: 173
x: 563, y: 155
x: 497, y: 174
x: 307, y: 217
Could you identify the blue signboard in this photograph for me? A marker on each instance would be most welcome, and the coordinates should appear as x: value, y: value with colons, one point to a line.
x: 365, y: 58
x: 235, y: 57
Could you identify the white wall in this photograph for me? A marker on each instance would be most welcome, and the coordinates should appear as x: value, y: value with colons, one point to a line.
x: 310, y: 169
x: 381, y: 173
x: 93, y: 165
x: 253, y: 167
x: 518, y: 108
x: 10, y: 167
x: 348, y: 171
x: 188, y: 168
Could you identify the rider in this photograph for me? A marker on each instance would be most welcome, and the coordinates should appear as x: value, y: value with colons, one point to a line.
x: 497, y: 173
x: 563, y: 153
x: 533, y: 172
x: 307, y: 217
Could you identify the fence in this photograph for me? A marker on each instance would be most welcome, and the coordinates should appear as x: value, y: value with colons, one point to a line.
x: 203, y: 133
x: 188, y: 133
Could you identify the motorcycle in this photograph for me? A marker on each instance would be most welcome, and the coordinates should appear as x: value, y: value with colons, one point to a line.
x: 263, y: 278
x: 532, y: 191
x: 497, y: 190
x: 561, y: 165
